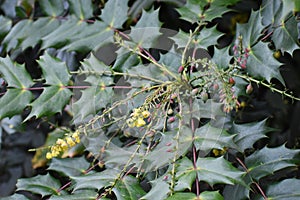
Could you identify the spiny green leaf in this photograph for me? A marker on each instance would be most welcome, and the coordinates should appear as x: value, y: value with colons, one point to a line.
x: 192, y: 10
x: 54, y: 70
x: 224, y: 54
x: 15, y: 197
x: 125, y: 60
x: 285, y: 37
x: 269, y: 160
x: 5, y: 26
x: 52, y: 8
x: 206, y: 195
x: 51, y: 101
x: 146, y: 32
x: 171, y: 60
x: 128, y: 188
x: 94, y: 180
x: 195, y: 10
x: 14, y: 74
x: 81, y: 8
x: 98, y: 95
x: 208, y: 137
x: 287, y: 189
x: 248, y: 134
x: 13, y: 102
x: 210, y: 170
x: 69, y: 166
x: 251, y: 31
x: 164, y: 152
x: 159, y: 189
x: 200, y: 109
x: 38, y: 30
x: 262, y: 64
x: 17, y: 34
x: 114, y: 13
x: 41, y: 184
x: 206, y: 38
x: 80, y: 195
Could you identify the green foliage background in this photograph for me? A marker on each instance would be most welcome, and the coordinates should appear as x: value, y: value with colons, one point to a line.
x: 63, y: 65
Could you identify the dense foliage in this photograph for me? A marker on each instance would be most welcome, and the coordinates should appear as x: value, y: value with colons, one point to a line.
x: 152, y: 99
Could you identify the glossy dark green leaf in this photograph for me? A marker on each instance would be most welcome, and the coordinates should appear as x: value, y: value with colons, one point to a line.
x: 269, y: 160
x: 287, y: 189
x: 98, y: 94
x: 94, y: 180
x: 208, y: 137
x: 206, y: 38
x: 210, y: 170
x: 5, y: 26
x: 250, y: 31
x: 55, y: 71
x: 15, y: 197
x: 41, y: 184
x: 195, y: 10
x: 125, y: 60
x: 14, y: 74
x: 224, y: 54
x: 13, y: 102
x: 51, y: 101
x: 146, y: 32
x: 114, y: 13
x: 285, y: 37
x: 159, y: 190
x: 262, y: 64
x: 207, y: 195
x: 82, y: 9
x: 69, y: 166
x: 164, y: 152
x: 80, y: 195
x: 247, y: 134
x: 128, y: 188
x: 52, y: 8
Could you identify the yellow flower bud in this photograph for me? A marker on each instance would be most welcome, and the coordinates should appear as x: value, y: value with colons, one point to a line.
x: 70, y: 141
x: 146, y: 113
x: 140, y: 122
x: 48, y: 155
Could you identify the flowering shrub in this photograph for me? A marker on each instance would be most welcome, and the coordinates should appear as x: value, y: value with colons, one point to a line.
x: 155, y: 107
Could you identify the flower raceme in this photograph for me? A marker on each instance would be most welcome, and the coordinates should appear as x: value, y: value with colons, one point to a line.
x: 137, y: 117
x: 62, y: 145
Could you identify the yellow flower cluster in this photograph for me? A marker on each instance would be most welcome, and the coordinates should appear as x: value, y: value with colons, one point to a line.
x: 137, y: 117
x: 63, y: 145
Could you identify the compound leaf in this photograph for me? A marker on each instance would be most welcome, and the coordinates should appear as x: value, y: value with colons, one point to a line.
x: 41, y: 184
x: 269, y: 160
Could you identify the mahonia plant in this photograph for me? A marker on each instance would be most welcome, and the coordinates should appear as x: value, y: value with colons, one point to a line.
x: 150, y: 119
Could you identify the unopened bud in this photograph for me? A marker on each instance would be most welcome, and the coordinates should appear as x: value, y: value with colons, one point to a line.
x: 171, y: 119
x: 180, y: 69
x: 249, y: 89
